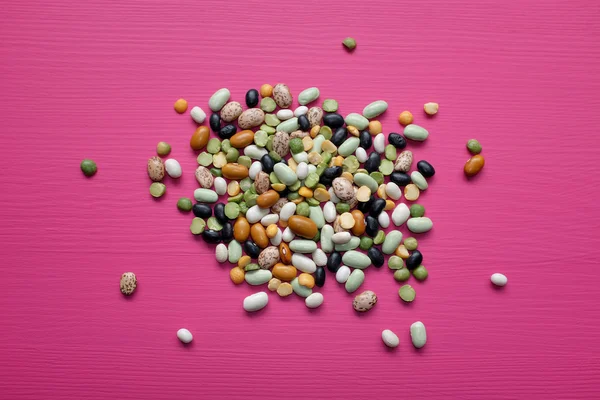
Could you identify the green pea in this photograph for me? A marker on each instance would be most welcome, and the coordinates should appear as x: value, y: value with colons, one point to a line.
x: 401, y: 275
x: 232, y: 210
x: 474, y: 146
x: 330, y: 105
x: 245, y: 183
x: 378, y: 176
x: 386, y: 167
x: 157, y: 189
x: 270, y: 143
x: 261, y: 138
x: 273, y: 178
x: 252, y: 189
x: 251, y: 267
x: 204, y: 159
x: 272, y: 120
x: 326, y: 132
x: 420, y: 273
x: 232, y: 155
x: 163, y: 149
x: 379, y: 238
x: 237, y: 198
x: 303, y: 209
x: 407, y: 293
x: 342, y: 207
x: 245, y: 161
x: 417, y: 210
x: 88, y: 167
x: 197, y: 226
x: 213, y: 146
x: 350, y: 164
x: 395, y: 262
x: 390, y: 152
x: 293, y: 196
x: 216, y: 172
x: 312, y: 202
x: 365, y: 243
x: 311, y: 180
x: 267, y: 104
x: 321, y: 168
x: 349, y: 43
x: 410, y: 243
x: 326, y: 157
x: 184, y: 204
x: 295, y: 187
x: 225, y: 145
x: 243, y: 208
x: 296, y: 146
x: 214, y: 224
x: 269, y: 129
x: 250, y: 198
x: 276, y: 157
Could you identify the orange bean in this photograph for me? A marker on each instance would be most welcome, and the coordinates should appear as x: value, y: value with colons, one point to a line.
x: 241, y: 229
x: 284, y: 272
x: 474, y: 165
x: 285, y: 253
x: 302, y: 226
x: 267, y: 199
x: 359, y: 225
x: 266, y: 90
x: 237, y: 275
x: 259, y: 235
x: 242, y: 139
x: 200, y: 138
x: 234, y: 171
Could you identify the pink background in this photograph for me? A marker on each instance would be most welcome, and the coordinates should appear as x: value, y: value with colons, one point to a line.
x: 98, y: 80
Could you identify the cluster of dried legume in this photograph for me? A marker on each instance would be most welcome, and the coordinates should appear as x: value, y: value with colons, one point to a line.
x: 306, y: 177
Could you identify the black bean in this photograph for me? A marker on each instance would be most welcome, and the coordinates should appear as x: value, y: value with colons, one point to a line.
x: 220, y: 213
x: 267, y: 163
x: 227, y: 131
x: 320, y: 276
x: 325, y: 180
x: 202, y: 210
x: 215, y: 122
x: 373, y: 162
x: 251, y: 248
x: 333, y: 120
x: 339, y: 136
x: 372, y: 226
x: 414, y: 260
x: 211, y: 236
x: 377, y: 207
x: 366, y: 141
x: 333, y: 172
x: 334, y: 262
x: 252, y: 98
x: 425, y: 169
x: 376, y: 256
x: 364, y: 207
x: 400, y: 178
x: 227, y: 232
x: 303, y: 123
x: 397, y: 140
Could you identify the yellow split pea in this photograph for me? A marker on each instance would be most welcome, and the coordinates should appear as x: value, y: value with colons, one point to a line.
x: 375, y: 127
x: 181, y: 106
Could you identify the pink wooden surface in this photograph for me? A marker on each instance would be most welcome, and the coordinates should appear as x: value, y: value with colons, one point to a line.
x: 98, y: 80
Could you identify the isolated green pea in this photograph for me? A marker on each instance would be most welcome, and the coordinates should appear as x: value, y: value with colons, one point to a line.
x: 184, y: 204
x: 163, y: 149
x: 157, y: 189
x: 330, y: 105
x: 474, y: 146
x: 88, y: 167
x: 417, y: 210
x: 407, y: 293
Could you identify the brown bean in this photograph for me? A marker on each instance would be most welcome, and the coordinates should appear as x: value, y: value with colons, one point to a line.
x: 284, y: 272
x: 359, y: 225
x: 303, y: 226
x: 474, y: 165
x: 200, y: 138
x: 267, y: 199
x: 234, y: 171
x: 241, y: 229
x: 242, y: 139
x: 259, y: 235
x: 285, y: 253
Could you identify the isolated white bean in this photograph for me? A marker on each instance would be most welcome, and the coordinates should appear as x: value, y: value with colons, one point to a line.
x: 333, y: 197
x: 400, y: 214
x: 314, y: 300
x: 198, y: 114
x: 255, y: 213
x: 220, y: 185
x: 173, y: 168
x: 499, y: 279
x: 384, y: 219
x: 319, y: 257
x: 390, y: 338
x: 288, y: 235
x: 269, y: 219
x: 276, y: 240
x: 361, y: 155
x: 221, y: 253
x: 285, y: 114
x: 393, y: 191
x: 342, y: 274
x: 255, y: 168
x: 184, y: 335
x: 418, y: 334
x: 341, y: 237
x: 301, y: 110
x: 329, y: 212
x: 379, y: 143
x: 303, y: 263
x: 256, y: 301
x: 302, y: 170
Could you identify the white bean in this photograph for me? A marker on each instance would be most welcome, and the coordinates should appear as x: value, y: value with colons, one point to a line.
x: 198, y: 114
x: 390, y: 338
x: 256, y: 301
x: 269, y: 219
x: 288, y: 235
x: 185, y: 336
x: 499, y: 279
x: 255, y: 168
x: 303, y: 263
x: 221, y: 253
x: 383, y: 219
x: 220, y: 185
x: 302, y: 170
x: 285, y: 114
x: 379, y: 143
x: 342, y: 274
x: 301, y: 110
x: 361, y: 155
x: 314, y: 300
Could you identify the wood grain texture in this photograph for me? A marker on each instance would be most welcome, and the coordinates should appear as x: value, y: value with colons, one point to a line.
x: 98, y: 79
